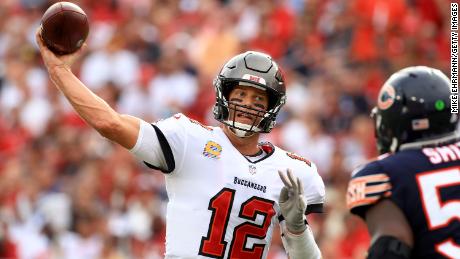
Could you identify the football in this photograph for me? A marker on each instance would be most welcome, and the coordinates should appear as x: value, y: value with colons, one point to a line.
x: 65, y: 28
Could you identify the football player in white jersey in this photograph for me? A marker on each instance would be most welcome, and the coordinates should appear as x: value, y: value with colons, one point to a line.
x: 226, y: 190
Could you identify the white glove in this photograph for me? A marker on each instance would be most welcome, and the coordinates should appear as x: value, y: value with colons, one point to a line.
x: 293, y: 203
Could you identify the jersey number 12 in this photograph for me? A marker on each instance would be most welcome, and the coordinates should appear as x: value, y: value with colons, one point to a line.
x: 214, y: 245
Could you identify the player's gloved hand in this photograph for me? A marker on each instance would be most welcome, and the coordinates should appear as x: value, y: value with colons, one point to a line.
x: 292, y: 202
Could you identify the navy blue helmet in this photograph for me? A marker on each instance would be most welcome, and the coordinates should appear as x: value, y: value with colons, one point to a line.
x: 413, y: 105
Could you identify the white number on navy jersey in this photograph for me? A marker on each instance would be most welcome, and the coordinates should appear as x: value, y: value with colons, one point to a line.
x: 439, y: 214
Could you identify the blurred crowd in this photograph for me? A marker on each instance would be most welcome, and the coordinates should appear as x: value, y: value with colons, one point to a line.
x: 65, y: 192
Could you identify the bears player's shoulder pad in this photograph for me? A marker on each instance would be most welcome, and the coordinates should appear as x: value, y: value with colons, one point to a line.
x: 370, y: 163
x: 367, y: 186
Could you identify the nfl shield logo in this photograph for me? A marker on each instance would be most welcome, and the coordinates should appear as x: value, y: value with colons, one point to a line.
x: 252, y: 169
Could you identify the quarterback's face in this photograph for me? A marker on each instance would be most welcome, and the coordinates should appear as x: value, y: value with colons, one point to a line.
x: 255, y: 102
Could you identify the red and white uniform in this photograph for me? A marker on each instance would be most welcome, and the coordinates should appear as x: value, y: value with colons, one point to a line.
x: 221, y: 204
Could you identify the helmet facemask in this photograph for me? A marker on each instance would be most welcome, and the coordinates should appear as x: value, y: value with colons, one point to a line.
x: 387, y: 141
x: 227, y: 111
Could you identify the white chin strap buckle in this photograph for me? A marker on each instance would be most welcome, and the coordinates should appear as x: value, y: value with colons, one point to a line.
x: 242, y: 133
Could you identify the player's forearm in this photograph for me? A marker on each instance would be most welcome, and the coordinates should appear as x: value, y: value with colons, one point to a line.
x: 93, y: 109
x: 301, y: 246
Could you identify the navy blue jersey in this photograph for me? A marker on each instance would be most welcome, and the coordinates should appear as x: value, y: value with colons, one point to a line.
x: 425, y: 185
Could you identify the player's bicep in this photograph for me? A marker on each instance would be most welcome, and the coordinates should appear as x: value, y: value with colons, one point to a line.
x: 385, y: 218
x: 125, y: 131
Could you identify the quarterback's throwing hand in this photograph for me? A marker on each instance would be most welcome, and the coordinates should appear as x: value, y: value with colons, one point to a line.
x: 52, y: 60
x: 292, y: 202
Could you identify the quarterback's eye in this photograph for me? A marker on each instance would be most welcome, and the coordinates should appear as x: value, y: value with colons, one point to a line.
x: 237, y: 100
x: 259, y: 98
x: 260, y: 106
x: 259, y: 102
x: 241, y: 93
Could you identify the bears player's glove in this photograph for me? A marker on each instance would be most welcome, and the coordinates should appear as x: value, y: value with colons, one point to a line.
x: 292, y: 203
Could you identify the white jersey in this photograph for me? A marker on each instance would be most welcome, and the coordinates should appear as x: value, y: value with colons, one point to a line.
x: 221, y: 205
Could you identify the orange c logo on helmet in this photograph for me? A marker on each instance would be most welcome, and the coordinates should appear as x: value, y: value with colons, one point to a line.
x: 386, y: 97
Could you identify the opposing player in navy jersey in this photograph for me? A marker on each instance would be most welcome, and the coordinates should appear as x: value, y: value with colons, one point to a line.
x: 226, y: 193
x: 410, y: 196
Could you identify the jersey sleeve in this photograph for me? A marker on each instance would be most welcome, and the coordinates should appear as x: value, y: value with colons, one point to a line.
x: 367, y: 186
x: 161, y: 145
x: 148, y: 148
x: 314, y: 189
